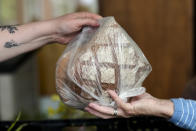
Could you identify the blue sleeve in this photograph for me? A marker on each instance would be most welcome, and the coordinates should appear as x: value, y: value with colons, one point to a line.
x: 184, y: 113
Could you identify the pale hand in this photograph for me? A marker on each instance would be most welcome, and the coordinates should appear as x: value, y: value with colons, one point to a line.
x: 68, y: 26
x: 144, y: 104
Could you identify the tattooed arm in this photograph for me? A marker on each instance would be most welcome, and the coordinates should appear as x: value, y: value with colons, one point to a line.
x: 15, y: 40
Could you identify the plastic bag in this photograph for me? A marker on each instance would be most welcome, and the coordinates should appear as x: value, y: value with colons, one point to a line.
x: 99, y: 59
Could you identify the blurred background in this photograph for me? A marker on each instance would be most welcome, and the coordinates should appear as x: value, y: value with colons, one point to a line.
x: 163, y: 29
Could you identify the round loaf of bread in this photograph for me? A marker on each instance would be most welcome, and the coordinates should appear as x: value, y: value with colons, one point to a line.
x: 101, y: 59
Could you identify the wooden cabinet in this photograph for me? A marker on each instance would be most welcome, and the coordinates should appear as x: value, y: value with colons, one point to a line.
x: 163, y: 30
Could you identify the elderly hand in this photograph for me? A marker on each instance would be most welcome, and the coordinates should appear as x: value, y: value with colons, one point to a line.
x: 68, y: 26
x: 144, y: 104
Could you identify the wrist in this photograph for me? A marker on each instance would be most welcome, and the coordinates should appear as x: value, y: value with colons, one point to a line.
x: 165, y: 108
x: 49, y: 27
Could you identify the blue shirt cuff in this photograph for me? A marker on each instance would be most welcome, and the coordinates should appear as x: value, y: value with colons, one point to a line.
x: 177, y: 111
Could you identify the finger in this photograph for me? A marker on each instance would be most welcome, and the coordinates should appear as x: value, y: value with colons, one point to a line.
x: 87, y: 22
x: 105, y: 110
x: 96, y: 113
x: 120, y: 103
x: 102, y: 109
x: 87, y: 15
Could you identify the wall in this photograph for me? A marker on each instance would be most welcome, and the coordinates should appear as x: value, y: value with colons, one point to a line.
x: 163, y: 30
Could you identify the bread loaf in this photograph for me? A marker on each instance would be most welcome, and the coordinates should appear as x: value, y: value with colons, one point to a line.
x: 98, y: 60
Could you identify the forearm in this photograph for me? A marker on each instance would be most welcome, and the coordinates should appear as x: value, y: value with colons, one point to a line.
x: 8, y: 53
x: 26, y: 32
x: 15, y: 40
x: 164, y: 108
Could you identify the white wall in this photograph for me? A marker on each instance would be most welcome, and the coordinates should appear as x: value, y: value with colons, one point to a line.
x: 19, y: 91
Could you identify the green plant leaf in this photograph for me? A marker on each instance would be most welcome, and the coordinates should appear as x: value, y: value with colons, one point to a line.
x: 13, y: 124
x: 21, y: 127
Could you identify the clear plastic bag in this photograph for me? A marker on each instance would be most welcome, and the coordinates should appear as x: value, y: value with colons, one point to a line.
x: 99, y: 59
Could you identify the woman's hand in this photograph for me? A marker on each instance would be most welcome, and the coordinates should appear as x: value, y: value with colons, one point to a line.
x: 68, y: 26
x: 144, y: 104
x: 15, y: 40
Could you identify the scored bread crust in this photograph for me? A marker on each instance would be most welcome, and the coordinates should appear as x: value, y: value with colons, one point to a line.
x: 62, y: 80
x: 107, y: 60
x: 96, y: 69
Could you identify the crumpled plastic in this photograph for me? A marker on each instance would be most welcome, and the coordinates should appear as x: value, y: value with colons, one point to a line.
x: 99, y: 59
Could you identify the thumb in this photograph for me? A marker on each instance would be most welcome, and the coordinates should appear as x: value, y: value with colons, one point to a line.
x: 120, y: 103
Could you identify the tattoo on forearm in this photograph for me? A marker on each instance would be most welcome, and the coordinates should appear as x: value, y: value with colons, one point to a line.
x: 11, y: 44
x: 10, y: 28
